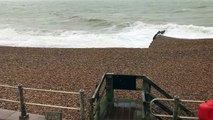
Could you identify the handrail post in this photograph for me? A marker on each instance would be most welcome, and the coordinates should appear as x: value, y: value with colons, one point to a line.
x: 98, y: 108
x: 146, y: 85
x: 109, y: 89
x: 91, y: 109
x: 146, y: 92
x: 24, y: 115
x: 176, y: 107
x: 82, y: 97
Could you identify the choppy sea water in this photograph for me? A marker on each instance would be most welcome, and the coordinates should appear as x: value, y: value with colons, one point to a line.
x: 101, y: 23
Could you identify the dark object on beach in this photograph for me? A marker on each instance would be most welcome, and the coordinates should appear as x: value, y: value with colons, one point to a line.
x: 159, y: 32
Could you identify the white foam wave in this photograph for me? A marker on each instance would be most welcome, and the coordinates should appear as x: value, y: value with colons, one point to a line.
x: 178, y: 31
x: 137, y: 35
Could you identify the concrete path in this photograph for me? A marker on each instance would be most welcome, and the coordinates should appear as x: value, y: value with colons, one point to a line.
x: 14, y: 115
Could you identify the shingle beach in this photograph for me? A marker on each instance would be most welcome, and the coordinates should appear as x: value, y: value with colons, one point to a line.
x: 181, y: 67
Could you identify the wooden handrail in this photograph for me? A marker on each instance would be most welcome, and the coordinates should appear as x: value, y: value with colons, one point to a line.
x: 98, y: 87
x: 163, y: 92
x: 96, y: 98
x: 147, y: 85
x: 176, y: 101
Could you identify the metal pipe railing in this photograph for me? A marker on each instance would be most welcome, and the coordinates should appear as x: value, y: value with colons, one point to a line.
x: 148, y: 84
x: 176, y: 101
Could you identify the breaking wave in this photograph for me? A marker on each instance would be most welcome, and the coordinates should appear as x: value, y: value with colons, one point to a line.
x: 125, y: 35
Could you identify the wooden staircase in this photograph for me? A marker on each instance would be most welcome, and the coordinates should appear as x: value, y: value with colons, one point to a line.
x: 104, y: 105
x: 124, y: 110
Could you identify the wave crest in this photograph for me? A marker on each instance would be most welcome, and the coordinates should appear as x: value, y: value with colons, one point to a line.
x: 129, y: 35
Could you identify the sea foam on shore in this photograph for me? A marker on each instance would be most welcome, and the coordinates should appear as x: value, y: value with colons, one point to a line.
x: 135, y: 35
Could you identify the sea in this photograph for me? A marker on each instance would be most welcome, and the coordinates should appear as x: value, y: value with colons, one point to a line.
x: 101, y: 23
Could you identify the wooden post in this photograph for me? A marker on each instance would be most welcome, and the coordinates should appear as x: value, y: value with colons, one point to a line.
x: 98, y: 108
x: 82, y: 97
x: 146, y: 102
x: 91, y: 109
x: 109, y: 89
x: 24, y: 115
x: 176, y: 107
x: 146, y: 85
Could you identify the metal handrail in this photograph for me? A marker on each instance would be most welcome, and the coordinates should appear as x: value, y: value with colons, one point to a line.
x: 164, y: 93
x: 171, y: 116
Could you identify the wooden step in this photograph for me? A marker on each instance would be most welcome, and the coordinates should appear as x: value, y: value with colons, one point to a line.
x: 124, y: 110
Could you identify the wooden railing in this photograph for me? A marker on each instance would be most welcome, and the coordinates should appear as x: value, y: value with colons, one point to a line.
x: 148, y: 97
x: 95, y: 101
x: 102, y: 98
x: 22, y: 102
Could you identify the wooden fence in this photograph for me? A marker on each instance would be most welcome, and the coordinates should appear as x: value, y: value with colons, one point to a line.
x: 22, y: 103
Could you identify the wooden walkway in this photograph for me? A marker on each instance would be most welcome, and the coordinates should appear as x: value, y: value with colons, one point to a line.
x: 124, y: 110
x: 14, y: 115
